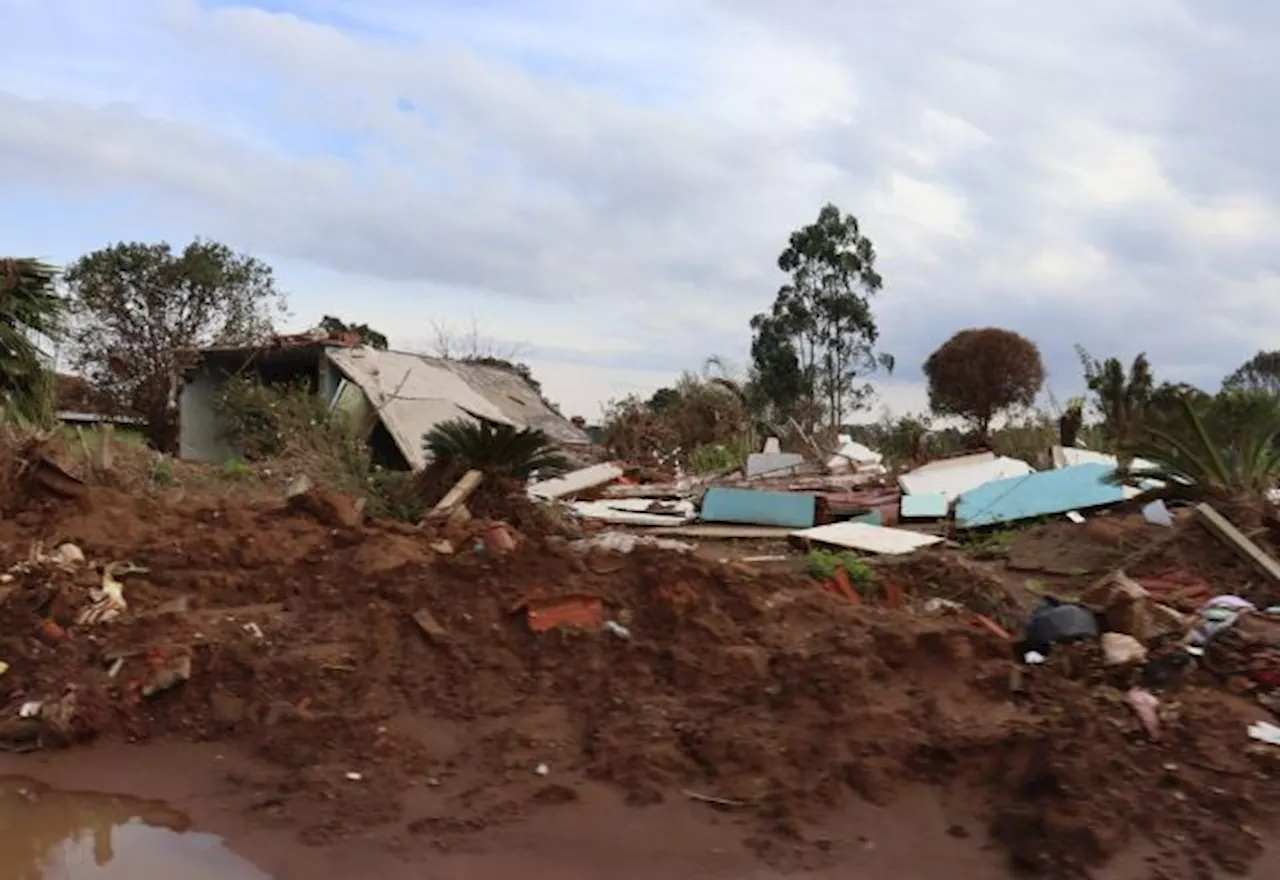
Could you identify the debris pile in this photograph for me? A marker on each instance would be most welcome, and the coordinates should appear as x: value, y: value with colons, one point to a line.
x: 500, y: 660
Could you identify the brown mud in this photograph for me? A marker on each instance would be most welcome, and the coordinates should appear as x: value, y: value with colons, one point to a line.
x: 756, y: 694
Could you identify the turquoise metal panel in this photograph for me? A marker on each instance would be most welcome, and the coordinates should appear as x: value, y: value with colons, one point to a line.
x: 874, y: 518
x: 1040, y: 494
x: 794, y: 510
x: 928, y: 505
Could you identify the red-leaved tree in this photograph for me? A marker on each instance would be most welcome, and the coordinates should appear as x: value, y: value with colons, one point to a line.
x: 982, y: 372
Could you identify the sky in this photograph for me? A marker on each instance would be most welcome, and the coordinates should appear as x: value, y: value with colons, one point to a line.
x: 604, y: 188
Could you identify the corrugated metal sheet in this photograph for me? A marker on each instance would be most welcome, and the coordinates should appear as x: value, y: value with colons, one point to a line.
x: 412, y: 394
x: 1038, y: 494
x: 749, y: 507
x: 954, y: 477
x: 512, y: 395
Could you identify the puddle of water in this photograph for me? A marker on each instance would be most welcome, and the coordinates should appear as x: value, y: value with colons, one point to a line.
x: 47, y: 834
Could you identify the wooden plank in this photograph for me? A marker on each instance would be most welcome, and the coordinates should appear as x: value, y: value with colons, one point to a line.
x: 1234, y: 538
x: 461, y: 491
x: 723, y: 532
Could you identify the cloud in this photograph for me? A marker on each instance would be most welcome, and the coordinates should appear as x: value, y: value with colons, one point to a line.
x: 611, y: 185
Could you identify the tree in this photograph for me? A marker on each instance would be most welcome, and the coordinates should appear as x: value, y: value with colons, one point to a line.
x: 1260, y: 373
x: 1226, y: 450
x: 663, y: 400
x: 1122, y: 398
x: 337, y: 327
x: 820, y: 335
x: 979, y: 373
x: 143, y: 310
x: 30, y: 308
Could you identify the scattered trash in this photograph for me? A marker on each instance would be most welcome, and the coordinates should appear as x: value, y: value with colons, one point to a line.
x: 576, y: 611
x: 171, y: 674
x: 542, y: 770
x: 1265, y: 731
x: 254, y: 630
x: 1120, y: 649
x: 352, y: 776
x: 1158, y: 514
x: 1216, y: 616
x: 1055, y: 622
x: 30, y: 709
x: 1033, y: 658
x: 4, y: 667
x: 617, y: 629
x: 499, y: 538
x: 626, y: 542
x: 107, y: 601
x: 1147, y: 707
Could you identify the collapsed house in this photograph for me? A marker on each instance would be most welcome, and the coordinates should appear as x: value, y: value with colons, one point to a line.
x: 395, y: 397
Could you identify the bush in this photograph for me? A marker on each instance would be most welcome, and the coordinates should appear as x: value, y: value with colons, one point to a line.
x: 498, y: 450
x: 823, y: 564
x: 290, y: 424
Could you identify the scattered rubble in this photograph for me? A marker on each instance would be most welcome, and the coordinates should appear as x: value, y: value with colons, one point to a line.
x: 542, y: 634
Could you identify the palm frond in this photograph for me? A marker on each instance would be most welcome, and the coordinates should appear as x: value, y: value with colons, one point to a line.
x: 501, y: 450
x: 1200, y: 456
x: 30, y: 309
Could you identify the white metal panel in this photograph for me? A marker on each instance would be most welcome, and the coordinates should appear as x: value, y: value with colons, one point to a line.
x: 868, y: 538
x: 954, y: 480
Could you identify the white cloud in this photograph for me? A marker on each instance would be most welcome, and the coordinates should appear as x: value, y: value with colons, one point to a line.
x: 611, y: 185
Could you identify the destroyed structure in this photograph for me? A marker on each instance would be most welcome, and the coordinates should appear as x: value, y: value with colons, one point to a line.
x: 393, y: 397
x: 771, y: 643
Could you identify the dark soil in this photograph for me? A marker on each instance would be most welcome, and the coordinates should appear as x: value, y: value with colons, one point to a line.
x: 781, y: 700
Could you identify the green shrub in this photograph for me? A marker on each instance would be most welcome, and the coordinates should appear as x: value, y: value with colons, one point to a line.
x: 823, y: 564
x: 498, y: 450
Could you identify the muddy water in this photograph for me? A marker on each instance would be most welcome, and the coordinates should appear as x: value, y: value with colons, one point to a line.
x: 47, y: 834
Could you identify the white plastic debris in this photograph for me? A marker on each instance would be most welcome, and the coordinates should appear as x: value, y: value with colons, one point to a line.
x: 542, y: 770
x: 67, y: 555
x: 30, y: 709
x: 1265, y: 731
x: 107, y: 602
x: 1033, y: 658
x: 1120, y: 649
x: 617, y: 629
x: 354, y: 777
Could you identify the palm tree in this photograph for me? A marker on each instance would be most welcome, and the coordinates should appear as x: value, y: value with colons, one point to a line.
x: 1227, y: 452
x: 30, y: 308
x: 1122, y: 398
x: 498, y: 450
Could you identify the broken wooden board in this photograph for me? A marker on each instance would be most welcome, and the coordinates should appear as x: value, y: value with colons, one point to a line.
x: 868, y: 538
x: 1238, y: 541
x: 461, y: 491
x: 712, y: 532
x: 575, y: 482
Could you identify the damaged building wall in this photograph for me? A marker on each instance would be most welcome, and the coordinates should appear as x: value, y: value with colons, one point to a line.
x: 407, y: 394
